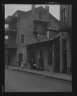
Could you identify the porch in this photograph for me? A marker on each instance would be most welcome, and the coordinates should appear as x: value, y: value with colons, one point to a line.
x: 44, y: 55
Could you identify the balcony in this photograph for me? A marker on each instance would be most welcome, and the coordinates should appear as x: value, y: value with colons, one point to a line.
x: 36, y: 31
x: 40, y: 27
x: 41, y: 21
x: 10, y: 19
x: 10, y: 44
x: 10, y: 30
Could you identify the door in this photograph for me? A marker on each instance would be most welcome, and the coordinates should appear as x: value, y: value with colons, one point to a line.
x: 50, y: 55
x: 32, y: 58
x: 57, y: 54
x: 41, y: 59
x: 20, y: 59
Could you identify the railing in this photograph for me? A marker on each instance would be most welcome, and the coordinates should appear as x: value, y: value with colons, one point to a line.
x: 41, y: 20
x: 10, y: 29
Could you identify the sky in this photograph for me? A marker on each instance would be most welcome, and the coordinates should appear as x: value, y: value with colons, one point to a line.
x: 12, y: 8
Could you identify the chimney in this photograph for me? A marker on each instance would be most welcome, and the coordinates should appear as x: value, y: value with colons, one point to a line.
x: 47, y: 11
x: 47, y: 8
x: 33, y: 8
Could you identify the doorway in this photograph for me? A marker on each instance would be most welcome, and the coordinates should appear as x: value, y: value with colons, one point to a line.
x: 41, y: 60
x: 50, y: 55
x: 20, y: 59
x: 32, y: 59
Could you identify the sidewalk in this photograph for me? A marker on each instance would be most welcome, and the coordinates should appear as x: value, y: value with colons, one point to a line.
x: 44, y: 73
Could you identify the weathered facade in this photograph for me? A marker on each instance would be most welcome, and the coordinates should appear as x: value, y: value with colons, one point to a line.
x: 34, y: 38
x: 29, y: 28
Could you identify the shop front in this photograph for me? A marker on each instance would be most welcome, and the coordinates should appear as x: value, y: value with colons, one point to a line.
x: 44, y: 55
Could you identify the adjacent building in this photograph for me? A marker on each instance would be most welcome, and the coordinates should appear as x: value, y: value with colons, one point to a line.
x: 66, y: 34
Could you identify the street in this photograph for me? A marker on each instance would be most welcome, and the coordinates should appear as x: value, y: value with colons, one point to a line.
x: 17, y: 81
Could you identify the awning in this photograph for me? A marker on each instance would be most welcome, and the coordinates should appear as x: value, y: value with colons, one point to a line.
x: 44, y: 42
x: 10, y: 19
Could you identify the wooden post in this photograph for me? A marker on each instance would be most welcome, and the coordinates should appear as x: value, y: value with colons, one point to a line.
x: 61, y: 52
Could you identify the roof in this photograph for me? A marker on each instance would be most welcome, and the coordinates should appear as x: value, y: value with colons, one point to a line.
x: 55, y: 19
x: 27, y: 12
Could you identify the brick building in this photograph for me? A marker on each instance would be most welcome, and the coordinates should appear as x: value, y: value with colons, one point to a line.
x: 35, y: 37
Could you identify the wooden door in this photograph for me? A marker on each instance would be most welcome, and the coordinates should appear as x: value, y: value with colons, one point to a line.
x: 41, y: 63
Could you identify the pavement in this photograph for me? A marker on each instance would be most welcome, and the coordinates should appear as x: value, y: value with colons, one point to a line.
x: 17, y: 81
x: 43, y: 73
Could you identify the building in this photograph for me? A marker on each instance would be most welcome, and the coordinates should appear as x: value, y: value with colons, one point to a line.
x: 34, y: 38
x: 66, y: 40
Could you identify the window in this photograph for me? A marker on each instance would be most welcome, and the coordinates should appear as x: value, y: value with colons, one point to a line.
x: 50, y: 55
x: 6, y: 25
x: 40, y: 15
x: 64, y: 15
x: 22, y: 38
x: 6, y: 36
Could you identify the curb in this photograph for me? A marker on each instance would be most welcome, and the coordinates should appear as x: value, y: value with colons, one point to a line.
x: 41, y: 74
